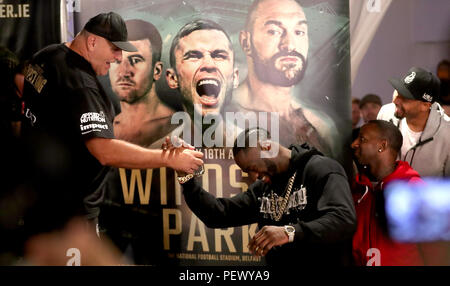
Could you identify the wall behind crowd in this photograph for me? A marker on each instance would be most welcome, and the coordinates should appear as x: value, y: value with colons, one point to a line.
x: 412, y: 33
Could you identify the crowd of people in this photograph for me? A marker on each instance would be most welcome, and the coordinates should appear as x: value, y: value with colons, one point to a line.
x: 63, y: 129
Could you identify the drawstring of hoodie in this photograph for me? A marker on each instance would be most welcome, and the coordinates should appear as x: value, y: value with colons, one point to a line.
x: 367, y: 190
x: 365, y: 193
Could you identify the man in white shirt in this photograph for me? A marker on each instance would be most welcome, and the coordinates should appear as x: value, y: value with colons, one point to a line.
x: 423, y: 124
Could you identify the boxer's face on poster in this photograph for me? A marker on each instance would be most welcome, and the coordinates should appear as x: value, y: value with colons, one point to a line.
x: 204, y: 68
x: 279, y: 42
x: 132, y: 77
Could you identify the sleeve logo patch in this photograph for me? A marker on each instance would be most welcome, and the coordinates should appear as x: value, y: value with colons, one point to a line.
x: 93, y: 121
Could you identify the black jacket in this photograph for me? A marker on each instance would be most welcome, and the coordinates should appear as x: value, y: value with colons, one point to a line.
x: 324, y: 221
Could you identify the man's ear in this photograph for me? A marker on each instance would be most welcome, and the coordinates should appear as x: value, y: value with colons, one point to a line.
x: 91, y: 42
x: 425, y: 106
x: 384, y: 144
x: 266, y: 145
x: 244, y: 40
x: 157, y: 70
x: 172, y: 79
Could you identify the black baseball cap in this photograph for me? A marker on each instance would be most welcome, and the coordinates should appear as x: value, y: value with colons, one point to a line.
x: 111, y: 27
x: 418, y: 84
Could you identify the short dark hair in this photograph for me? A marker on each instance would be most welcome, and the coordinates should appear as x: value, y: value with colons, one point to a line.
x: 139, y: 30
x: 370, y: 98
x: 196, y: 25
x: 388, y: 131
x: 244, y: 140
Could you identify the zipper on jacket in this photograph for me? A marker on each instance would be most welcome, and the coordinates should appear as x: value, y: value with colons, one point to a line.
x: 414, y: 149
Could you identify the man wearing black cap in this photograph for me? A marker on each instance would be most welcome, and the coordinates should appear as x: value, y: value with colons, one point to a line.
x: 423, y: 124
x: 69, y: 125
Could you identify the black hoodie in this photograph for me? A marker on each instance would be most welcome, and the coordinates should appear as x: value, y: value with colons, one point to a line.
x: 324, y: 221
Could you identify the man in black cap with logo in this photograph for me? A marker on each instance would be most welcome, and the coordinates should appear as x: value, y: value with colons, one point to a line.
x: 69, y: 125
x: 423, y: 124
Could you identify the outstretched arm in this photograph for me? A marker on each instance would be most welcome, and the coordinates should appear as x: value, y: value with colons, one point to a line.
x: 241, y: 209
x: 119, y: 153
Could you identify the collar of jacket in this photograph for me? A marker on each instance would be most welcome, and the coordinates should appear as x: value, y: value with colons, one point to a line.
x: 433, y: 123
x: 402, y: 171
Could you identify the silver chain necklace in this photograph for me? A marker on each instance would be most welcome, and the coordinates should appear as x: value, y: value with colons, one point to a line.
x: 277, y: 212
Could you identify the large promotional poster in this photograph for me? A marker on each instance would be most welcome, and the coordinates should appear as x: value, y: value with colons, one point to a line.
x: 204, y: 71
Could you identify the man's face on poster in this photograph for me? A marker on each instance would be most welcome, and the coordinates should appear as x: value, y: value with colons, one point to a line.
x: 132, y: 78
x: 205, y: 71
x: 279, y: 42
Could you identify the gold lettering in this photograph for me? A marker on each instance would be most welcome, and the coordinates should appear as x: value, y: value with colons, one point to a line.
x: 9, y: 11
x: 26, y: 10
x: 167, y: 231
x: 219, y: 176
x: 248, y: 231
x: 163, y: 185
x: 128, y: 193
x: 221, y: 153
x: 233, y: 181
x: 40, y: 84
x: 177, y: 191
x: 192, y: 238
x: 227, y: 236
x: 230, y: 154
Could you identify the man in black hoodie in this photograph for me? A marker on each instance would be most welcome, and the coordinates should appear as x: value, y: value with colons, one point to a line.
x: 300, y: 199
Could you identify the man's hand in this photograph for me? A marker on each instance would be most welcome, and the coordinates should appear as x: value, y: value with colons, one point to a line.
x: 174, y: 142
x: 268, y: 237
x: 181, y: 156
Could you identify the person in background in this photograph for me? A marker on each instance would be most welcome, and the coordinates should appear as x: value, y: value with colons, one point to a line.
x: 425, y: 128
x: 356, y: 112
x: 376, y: 149
x: 370, y: 106
x: 423, y: 123
x: 443, y: 73
x: 387, y: 110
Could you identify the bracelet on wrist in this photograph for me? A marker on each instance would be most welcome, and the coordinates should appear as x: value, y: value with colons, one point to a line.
x: 186, y: 178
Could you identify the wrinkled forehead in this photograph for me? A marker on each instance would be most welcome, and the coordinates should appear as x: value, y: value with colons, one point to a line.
x: 204, y: 40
